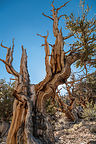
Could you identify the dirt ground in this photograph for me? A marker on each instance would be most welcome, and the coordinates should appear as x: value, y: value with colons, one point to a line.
x: 81, y: 132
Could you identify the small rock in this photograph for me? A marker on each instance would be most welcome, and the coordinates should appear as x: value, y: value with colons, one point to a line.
x: 93, y: 129
x: 92, y: 142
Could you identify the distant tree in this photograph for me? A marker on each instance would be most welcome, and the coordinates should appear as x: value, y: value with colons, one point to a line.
x: 79, y: 93
x: 6, y: 100
x: 29, y: 117
x: 86, y: 90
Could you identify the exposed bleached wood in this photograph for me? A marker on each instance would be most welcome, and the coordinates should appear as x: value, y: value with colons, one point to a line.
x: 21, y: 94
x: 29, y: 104
x: 47, y: 53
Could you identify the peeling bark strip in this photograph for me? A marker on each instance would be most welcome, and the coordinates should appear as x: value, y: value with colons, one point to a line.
x: 29, y: 103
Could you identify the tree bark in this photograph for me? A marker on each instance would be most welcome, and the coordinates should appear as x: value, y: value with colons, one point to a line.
x: 29, y: 123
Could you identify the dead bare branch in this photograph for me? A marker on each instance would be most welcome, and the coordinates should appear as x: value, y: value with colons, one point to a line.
x: 3, y: 45
x: 60, y: 17
x: 47, y: 52
x: 9, y: 59
x: 66, y: 37
x: 73, y: 50
x: 11, y: 55
x: 71, y: 82
x: 62, y: 6
x: 47, y: 16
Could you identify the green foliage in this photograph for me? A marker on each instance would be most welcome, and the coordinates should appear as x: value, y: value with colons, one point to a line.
x: 89, y: 113
x: 86, y: 89
x: 84, y: 30
x: 91, y: 83
x: 50, y: 107
x: 85, y: 93
x: 6, y: 100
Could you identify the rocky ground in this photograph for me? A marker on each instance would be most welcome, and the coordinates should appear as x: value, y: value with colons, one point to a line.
x: 81, y: 132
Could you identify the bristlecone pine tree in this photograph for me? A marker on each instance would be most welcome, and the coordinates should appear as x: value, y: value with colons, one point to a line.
x: 29, y: 123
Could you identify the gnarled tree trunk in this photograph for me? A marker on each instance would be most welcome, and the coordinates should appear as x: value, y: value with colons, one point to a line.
x: 30, y: 123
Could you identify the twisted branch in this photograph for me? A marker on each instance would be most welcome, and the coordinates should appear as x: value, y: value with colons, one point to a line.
x: 9, y: 60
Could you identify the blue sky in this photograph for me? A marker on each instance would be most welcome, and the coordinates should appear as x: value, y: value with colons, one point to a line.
x: 22, y: 20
